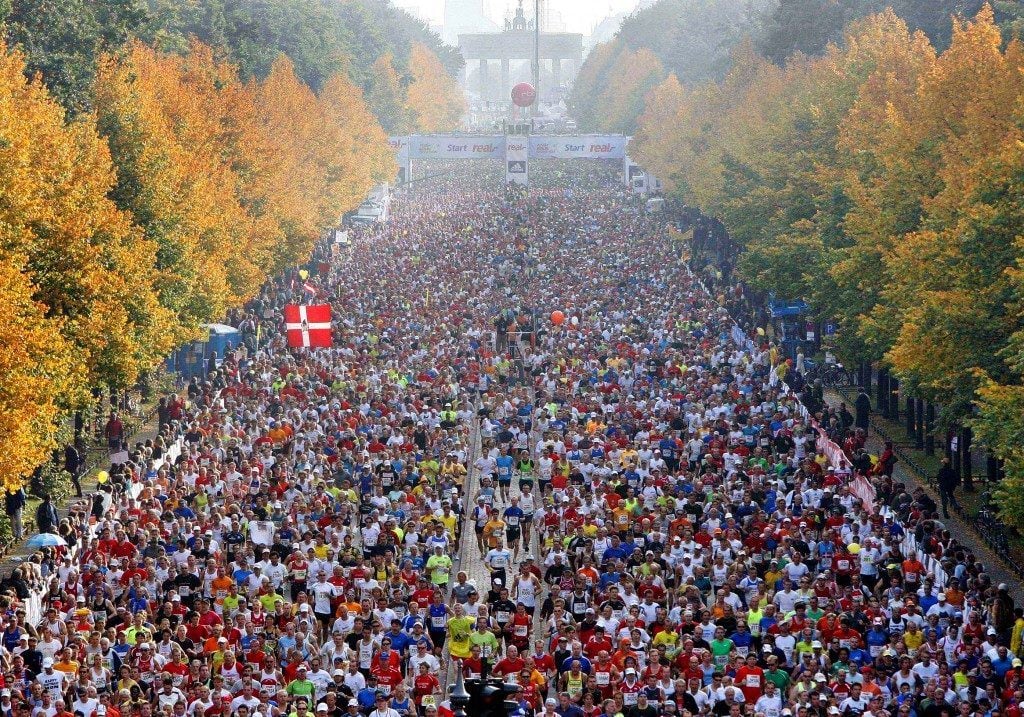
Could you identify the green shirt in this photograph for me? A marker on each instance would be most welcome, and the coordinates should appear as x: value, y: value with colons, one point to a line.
x: 300, y: 688
x: 721, y: 649
x: 486, y: 640
x: 440, y: 567
x: 780, y: 678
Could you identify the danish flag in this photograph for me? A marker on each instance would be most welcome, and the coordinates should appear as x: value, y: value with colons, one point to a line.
x: 308, y: 326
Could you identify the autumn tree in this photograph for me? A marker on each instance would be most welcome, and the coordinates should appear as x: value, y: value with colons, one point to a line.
x: 86, y: 263
x: 951, y: 278
x: 435, y: 99
x: 173, y: 181
x: 632, y: 76
x: 38, y: 366
x: 658, y: 150
x: 385, y: 94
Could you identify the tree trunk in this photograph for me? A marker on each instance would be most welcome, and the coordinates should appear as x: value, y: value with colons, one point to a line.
x: 919, y: 432
x: 929, y: 428
x: 910, y: 416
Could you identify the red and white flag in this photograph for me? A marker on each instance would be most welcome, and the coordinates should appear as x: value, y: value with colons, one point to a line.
x: 308, y: 326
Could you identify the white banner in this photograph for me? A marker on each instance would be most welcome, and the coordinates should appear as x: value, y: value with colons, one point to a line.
x: 517, y: 151
x: 456, y: 147
x: 586, y: 146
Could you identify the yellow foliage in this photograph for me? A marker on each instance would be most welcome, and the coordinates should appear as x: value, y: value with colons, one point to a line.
x: 436, y: 100
x: 36, y: 364
x: 85, y: 262
x: 173, y: 180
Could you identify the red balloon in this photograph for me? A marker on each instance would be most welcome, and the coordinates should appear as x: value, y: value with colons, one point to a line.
x: 523, y: 94
x: 557, y: 317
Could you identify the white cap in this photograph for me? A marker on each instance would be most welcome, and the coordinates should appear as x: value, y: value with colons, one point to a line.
x: 47, y: 662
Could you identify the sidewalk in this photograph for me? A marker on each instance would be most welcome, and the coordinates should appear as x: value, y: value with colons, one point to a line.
x: 959, y: 527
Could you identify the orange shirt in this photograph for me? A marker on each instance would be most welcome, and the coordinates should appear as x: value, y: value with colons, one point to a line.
x: 220, y: 587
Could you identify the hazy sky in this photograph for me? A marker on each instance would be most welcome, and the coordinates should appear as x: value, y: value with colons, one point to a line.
x: 578, y: 15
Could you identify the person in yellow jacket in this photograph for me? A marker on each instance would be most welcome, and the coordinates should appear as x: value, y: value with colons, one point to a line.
x: 1018, y: 632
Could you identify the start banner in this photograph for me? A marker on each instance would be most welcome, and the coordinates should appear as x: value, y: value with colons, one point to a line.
x: 584, y: 146
x: 456, y: 147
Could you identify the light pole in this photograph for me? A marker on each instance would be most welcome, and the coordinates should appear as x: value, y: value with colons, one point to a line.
x: 458, y: 695
x: 536, y: 56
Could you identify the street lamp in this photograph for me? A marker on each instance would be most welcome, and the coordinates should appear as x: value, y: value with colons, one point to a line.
x: 458, y: 695
x: 536, y: 55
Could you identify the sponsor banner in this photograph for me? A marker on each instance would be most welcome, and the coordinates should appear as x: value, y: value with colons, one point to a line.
x: 456, y: 147
x: 400, y: 146
x: 586, y: 146
x: 517, y: 151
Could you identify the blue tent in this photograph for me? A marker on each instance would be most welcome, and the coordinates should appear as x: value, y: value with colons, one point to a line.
x: 192, y: 359
x: 783, y: 309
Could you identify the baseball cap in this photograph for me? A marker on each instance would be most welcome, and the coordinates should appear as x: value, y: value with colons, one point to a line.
x: 47, y: 662
x: 353, y: 703
x: 321, y: 707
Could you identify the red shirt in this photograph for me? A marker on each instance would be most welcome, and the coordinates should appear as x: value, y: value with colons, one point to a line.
x: 509, y: 666
x: 751, y: 682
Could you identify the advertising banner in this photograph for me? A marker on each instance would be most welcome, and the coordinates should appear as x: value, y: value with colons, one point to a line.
x: 456, y: 147
x: 586, y: 146
x: 516, y: 164
x: 400, y: 146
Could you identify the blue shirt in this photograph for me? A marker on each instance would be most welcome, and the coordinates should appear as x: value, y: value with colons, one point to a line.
x: 504, y: 467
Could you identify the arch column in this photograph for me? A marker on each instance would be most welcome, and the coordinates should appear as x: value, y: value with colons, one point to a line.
x: 484, y: 78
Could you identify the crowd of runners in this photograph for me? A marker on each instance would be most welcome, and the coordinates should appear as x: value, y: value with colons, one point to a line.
x: 535, y: 381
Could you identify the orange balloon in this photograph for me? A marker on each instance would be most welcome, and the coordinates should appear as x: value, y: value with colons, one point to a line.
x: 557, y: 317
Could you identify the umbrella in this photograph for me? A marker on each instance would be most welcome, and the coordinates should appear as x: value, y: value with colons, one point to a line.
x: 45, y: 540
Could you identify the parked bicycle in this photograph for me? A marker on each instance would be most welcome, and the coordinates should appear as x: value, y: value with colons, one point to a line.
x: 831, y: 375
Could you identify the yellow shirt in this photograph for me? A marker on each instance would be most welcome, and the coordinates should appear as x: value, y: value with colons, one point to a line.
x: 913, y: 640
x: 449, y: 522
